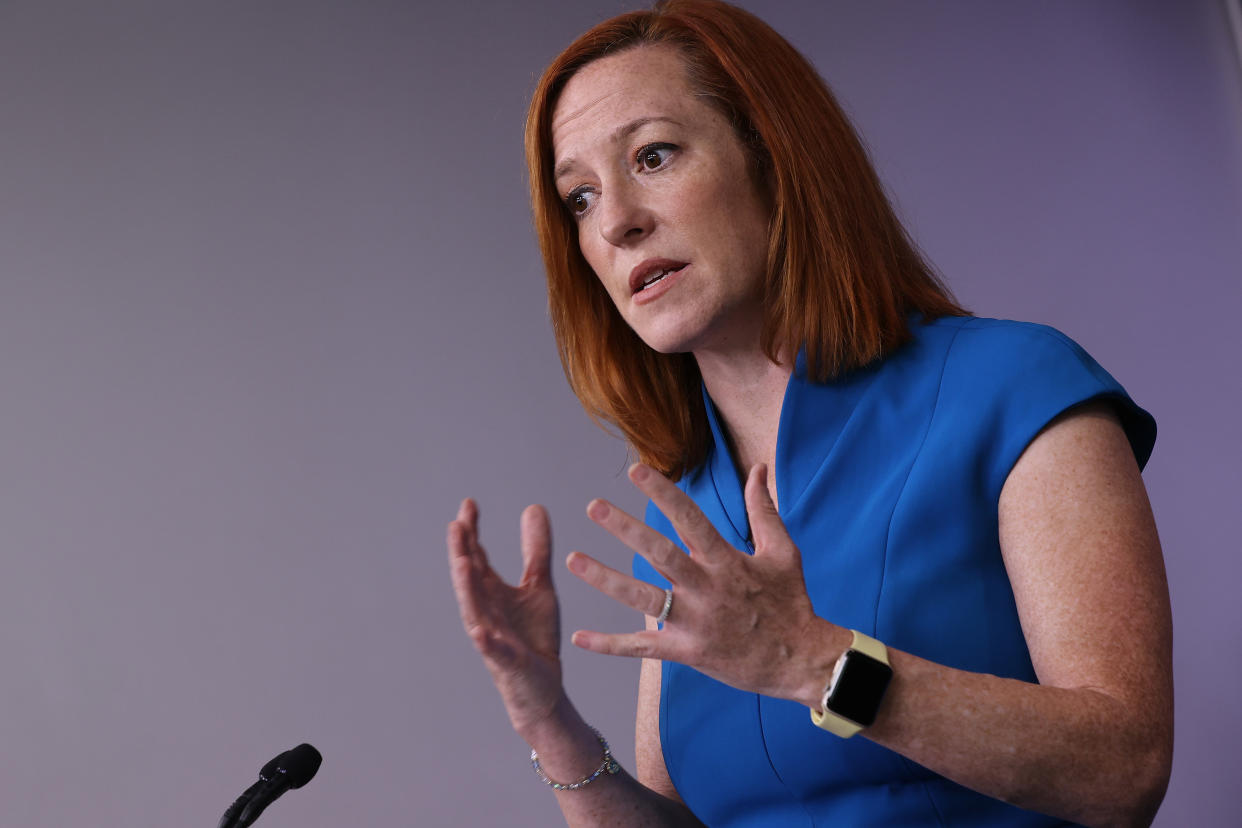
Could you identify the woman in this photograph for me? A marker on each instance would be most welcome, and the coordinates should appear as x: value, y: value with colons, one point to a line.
x: 871, y: 513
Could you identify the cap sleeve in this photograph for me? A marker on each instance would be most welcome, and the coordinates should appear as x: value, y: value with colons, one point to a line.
x: 1005, y: 381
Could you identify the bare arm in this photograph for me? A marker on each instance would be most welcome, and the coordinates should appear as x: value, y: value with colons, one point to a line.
x: 1091, y: 743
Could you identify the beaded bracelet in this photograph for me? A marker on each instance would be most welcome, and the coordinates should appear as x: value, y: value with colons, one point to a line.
x: 608, y: 764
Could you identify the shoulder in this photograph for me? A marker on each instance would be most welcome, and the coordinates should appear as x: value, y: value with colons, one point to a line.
x: 991, y: 351
x: 1004, y: 381
x: 981, y: 342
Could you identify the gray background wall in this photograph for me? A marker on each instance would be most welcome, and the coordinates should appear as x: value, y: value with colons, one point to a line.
x: 270, y: 306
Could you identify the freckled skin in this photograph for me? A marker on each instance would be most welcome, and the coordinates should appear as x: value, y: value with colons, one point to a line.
x: 700, y: 206
x: 1091, y: 742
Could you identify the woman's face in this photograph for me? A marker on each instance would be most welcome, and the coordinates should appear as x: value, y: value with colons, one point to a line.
x: 668, y: 214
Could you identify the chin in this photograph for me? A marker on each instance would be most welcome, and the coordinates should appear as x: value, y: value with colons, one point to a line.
x: 671, y: 339
x: 700, y: 330
x: 662, y: 345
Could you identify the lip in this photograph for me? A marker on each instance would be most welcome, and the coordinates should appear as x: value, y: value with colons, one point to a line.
x: 648, y: 267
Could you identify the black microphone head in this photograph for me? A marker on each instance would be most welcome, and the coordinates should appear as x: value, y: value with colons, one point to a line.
x: 273, y: 766
x: 299, y: 764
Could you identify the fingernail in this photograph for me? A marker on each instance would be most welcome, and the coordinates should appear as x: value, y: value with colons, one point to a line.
x: 576, y: 563
x: 638, y: 471
x: 597, y: 510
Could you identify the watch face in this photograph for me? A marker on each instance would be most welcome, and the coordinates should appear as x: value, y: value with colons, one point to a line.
x: 857, y: 692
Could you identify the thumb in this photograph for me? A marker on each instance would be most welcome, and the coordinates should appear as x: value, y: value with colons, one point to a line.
x: 765, y: 521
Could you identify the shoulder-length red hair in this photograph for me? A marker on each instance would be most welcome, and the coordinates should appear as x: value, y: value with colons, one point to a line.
x: 842, y: 273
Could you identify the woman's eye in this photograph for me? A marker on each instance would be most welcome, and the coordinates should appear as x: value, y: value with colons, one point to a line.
x: 579, y: 201
x: 653, y: 156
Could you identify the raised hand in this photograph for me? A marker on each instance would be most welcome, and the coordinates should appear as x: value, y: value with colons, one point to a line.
x: 745, y: 620
x: 515, y: 629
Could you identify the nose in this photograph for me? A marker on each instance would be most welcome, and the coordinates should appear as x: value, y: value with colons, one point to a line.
x: 626, y: 217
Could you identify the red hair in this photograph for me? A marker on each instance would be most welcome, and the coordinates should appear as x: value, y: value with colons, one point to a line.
x: 842, y: 273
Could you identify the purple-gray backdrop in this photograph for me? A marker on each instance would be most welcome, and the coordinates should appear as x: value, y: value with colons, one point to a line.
x: 270, y: 305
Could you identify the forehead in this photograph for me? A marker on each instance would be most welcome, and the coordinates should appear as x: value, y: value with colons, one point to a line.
x: 640, y: 82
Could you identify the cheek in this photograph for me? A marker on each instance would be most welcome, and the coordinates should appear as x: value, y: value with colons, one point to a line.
x: 590, y: 253
x: 750, y: 217
x: 597, y: 261
x: 727, y: 204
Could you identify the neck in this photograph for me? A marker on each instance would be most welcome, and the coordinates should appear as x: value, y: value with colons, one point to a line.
x: 748, y: 390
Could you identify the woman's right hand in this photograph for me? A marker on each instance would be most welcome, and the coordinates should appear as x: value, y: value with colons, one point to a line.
x: 516, y: 629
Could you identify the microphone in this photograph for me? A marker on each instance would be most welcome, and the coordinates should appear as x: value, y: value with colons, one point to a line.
x: 291, y: 769
x: 229, y: 820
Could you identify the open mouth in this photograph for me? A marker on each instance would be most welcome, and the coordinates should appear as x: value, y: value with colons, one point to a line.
x: 656, y: 276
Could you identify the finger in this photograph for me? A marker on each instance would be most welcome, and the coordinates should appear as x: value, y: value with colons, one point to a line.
x: 468, y: 513
x: 692, y: 526
x: 468, y: 516
x: 622, y: 588
x: 644, y: 644
x: 765, y: 521
x: 536, y: 545
x: 458, y: 539
x: 770, y: 535
x: 659, y: 551
x: 473, y: 604
x: 466, y: 578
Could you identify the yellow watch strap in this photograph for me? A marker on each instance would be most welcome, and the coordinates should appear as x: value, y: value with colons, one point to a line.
x: 867, y: 645
x: 839, y: 725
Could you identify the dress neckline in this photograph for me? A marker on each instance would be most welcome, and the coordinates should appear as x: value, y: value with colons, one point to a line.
x: 804, y: 440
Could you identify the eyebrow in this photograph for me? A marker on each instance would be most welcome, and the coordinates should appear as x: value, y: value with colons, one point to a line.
x: 619, y: 134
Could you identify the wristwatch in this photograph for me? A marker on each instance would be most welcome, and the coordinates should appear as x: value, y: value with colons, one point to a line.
x: 853, y: 695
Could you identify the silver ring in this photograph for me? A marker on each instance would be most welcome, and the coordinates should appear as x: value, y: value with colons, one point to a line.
x: 668, y: 605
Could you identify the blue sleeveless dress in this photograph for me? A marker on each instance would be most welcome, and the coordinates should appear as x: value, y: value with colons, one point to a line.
x: 888, y: 481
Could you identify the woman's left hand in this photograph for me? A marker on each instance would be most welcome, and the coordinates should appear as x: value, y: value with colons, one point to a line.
x: 745, y: 620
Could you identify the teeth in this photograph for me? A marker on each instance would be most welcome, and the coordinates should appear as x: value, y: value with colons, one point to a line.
x: 653, y: 278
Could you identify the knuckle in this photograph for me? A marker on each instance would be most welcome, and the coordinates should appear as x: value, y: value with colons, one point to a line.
x: 664, y: 552
x: 639, y: 597
x: 689, y: 514
x: 630, y: 532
